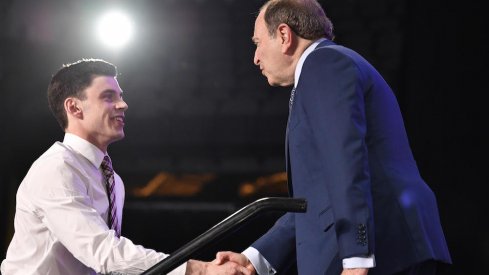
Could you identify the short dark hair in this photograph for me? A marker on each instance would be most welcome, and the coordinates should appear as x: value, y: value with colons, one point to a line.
x: 71, y: 81
x: 305, y: 17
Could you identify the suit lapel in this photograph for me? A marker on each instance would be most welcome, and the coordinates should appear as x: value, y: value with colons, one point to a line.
x: 325, y: 43
x: 287, y: 155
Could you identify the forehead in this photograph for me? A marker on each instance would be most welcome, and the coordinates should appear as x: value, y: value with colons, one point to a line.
x: 260, y: 27
x: 101, y: 83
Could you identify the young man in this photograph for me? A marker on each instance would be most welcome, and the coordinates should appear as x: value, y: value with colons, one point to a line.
x: 369, y: 210
x: 69, y: 205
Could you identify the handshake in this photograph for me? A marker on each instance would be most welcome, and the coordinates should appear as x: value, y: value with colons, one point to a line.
x: 226, y: 263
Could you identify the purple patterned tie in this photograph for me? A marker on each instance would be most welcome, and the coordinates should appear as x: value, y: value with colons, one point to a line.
x: 110, y: 184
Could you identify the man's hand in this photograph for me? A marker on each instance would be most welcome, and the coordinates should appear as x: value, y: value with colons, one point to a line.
x: 240, y: 259
x: 355, y: 271
x: 210, y: 268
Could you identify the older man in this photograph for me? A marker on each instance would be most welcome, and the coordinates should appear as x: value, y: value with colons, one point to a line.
x: 369, y: 210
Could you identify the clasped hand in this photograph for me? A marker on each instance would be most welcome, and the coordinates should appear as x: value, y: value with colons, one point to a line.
x: 242, y: 265
x: 239, y: 261
x: 226, y: 263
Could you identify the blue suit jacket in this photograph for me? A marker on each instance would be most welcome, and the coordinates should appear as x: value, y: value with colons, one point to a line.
x: 349, y: 156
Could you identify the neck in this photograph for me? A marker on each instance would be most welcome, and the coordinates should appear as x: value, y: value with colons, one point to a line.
x: 302, y: 45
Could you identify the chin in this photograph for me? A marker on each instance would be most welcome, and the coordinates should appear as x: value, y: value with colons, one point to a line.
x: 271, y: 82
x: 276, y: 83
x: 119, y: 136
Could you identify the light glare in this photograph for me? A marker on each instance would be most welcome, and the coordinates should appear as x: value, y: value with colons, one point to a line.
x: 115, y: 29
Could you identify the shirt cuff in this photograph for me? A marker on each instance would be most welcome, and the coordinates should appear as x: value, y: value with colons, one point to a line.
x: 262, y: 266
x: 359, y: 262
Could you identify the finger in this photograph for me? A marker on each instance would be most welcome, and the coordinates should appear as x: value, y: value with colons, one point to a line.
x: 221, y: 257
x: 244, y: 270
x: 235, y: 268
x: 231, y: 268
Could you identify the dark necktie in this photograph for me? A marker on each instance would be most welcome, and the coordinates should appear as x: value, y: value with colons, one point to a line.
x: 291, y: 100
x: 110, y: 184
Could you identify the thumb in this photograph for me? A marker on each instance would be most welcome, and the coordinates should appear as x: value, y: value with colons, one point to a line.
x: 221, y: 257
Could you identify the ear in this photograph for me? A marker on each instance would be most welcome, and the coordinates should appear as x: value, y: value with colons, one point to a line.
x: 73, y: 107
x: 286, y: 36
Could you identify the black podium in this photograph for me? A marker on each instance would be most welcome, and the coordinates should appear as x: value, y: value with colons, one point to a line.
x: 227, y: 226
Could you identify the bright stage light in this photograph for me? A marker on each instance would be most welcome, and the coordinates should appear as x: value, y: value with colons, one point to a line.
x: 115, y: 29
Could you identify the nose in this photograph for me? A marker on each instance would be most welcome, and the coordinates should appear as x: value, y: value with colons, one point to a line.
x: 122, y: 105
x: 256, y: 60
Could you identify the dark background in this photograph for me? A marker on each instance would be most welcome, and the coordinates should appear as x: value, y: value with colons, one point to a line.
x: 202, y: 113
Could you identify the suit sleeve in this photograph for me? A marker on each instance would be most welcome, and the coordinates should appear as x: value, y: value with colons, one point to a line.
x: 332, y: 91
x: 278, y: 244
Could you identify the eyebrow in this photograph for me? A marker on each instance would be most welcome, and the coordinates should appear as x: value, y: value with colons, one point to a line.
x: 110, y: 91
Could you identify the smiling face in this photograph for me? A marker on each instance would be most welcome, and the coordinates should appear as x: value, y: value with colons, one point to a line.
x: 99, y: 117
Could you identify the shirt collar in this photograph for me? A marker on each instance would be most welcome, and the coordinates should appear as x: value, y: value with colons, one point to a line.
x: 303, y: 57
x: 85, y: 148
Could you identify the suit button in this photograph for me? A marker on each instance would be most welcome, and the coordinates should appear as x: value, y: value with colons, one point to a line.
x: 362, y: 234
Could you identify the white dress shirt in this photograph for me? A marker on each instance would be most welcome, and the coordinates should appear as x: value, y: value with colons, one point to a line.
x: 61, y: 219
x: 262, y: 266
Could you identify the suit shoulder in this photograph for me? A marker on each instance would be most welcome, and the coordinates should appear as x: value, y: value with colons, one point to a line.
x: 343, y: 59
x: 328, y: 55
x: 338, y: 52
x: 333, y: 59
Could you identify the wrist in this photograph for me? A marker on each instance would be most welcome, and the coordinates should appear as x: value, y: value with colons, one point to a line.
x: 195, y: 267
